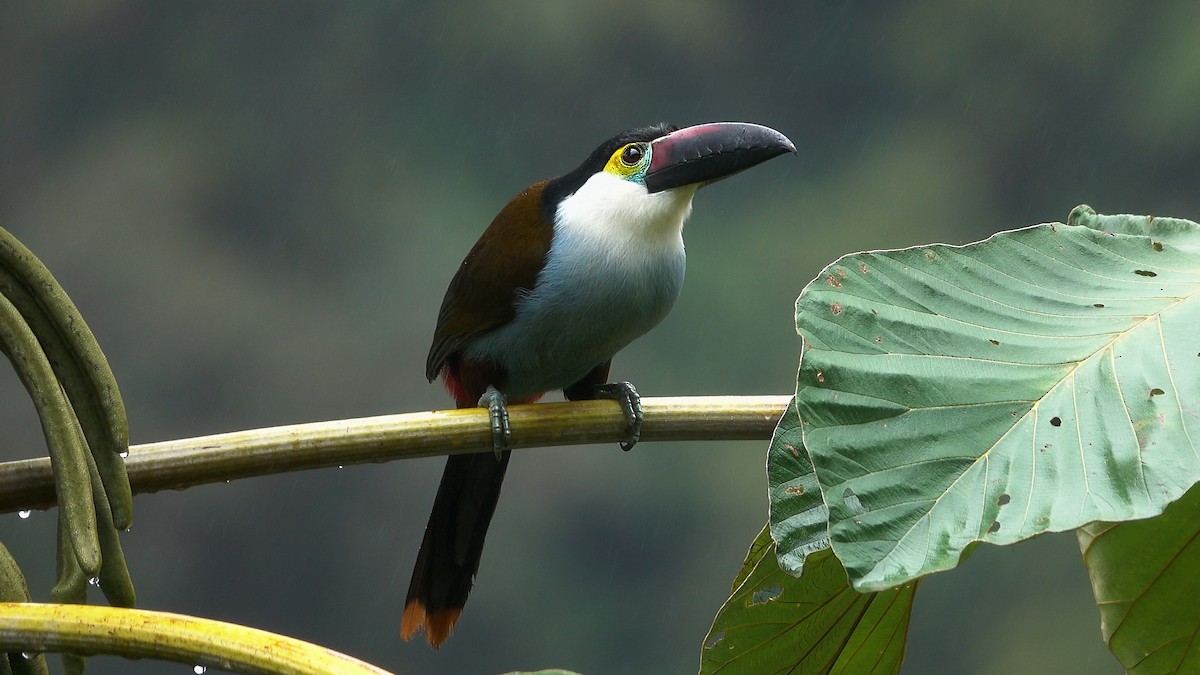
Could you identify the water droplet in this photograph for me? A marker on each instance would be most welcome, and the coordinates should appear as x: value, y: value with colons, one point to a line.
x: 24, y: 514
x: 94, y: 581
x: 124, y: 454
x: 199, y: 670
x: 30, y: 655
x: 340, y: 466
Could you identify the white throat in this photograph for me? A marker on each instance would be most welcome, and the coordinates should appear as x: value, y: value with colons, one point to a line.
x: 623, y: 213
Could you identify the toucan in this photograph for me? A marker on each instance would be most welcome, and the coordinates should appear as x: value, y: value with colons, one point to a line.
x: 569, y: 272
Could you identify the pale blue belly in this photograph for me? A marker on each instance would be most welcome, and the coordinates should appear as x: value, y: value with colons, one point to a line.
x: 580, y: 315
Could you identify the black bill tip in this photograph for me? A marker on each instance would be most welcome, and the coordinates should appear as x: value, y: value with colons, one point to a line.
x: 709, y: 152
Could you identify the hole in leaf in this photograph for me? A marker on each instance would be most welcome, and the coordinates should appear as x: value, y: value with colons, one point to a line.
x: 766, y: 594
x: 1055, y: 422
x: 995, y: 527
x: 1003, y: 499
x: 1156, y: 392
x: 1145, y: 273
x: 820, y: 377
x: 1098, y: 304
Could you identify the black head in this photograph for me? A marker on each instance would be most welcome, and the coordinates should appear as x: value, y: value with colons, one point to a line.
x: 565, y: 185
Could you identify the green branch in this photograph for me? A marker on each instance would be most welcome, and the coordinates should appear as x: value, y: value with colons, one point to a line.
x: 241, y: 454
x: 136, y: 634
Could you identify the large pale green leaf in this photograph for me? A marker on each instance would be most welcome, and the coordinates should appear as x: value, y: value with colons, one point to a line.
x: 817, y: 624
x: 1036, y: 381
x: 1144, y: 575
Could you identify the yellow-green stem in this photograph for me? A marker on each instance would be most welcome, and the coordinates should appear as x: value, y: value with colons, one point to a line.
x: 195, y: 461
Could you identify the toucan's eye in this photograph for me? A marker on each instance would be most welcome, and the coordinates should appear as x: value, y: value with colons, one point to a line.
x: 629, y: 161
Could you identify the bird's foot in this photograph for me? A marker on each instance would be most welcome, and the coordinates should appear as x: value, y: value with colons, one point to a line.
x: 631, y: 403
x: 497, y: 407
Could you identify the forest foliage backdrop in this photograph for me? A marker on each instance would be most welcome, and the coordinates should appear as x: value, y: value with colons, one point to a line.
x: 257, y: 207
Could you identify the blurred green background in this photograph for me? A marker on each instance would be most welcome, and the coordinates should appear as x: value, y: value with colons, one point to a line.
x: 258, y: 206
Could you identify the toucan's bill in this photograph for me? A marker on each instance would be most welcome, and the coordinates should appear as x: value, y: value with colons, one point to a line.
x: 709, y: 152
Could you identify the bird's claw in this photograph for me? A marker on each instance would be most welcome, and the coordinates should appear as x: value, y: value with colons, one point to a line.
x: 631, y: 403
x: 497, y: 407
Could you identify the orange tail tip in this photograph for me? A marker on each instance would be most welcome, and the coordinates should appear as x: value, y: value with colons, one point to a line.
x: 438, y: 626
x: 413, y: 620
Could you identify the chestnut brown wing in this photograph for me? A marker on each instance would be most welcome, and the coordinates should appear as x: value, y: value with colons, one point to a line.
x: 506, y: 259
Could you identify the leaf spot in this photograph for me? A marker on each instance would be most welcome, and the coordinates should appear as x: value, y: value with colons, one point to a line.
x: 1157, y: 246
x: 862, y: 267
x: 1003, y: 499
x: 930, y: 255
x: 714, y: 640
x: 1156, y: 392
x: 766, y: 594
x: 836, y: 307
x: 1145, y: 273
x: 792, y: 449
x: 995, y: 342
x: 1056, y: 421
x: 794, y: 490
x: 841, y: 272
x: 833, y: 281
x: 995, y: 527
x: 878, y: 339
x: 820, y: 377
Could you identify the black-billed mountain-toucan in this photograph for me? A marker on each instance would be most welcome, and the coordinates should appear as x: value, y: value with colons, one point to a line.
x: 569, y: 272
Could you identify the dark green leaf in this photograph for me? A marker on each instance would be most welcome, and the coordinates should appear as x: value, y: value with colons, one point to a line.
x: 816, y: 624
x: 1144, y: 576
x: 758, y: 548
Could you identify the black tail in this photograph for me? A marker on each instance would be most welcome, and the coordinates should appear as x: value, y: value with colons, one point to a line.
x: 453, y: 544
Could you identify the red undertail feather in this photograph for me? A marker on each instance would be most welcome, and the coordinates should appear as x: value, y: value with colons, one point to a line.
x: 454, y: 385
